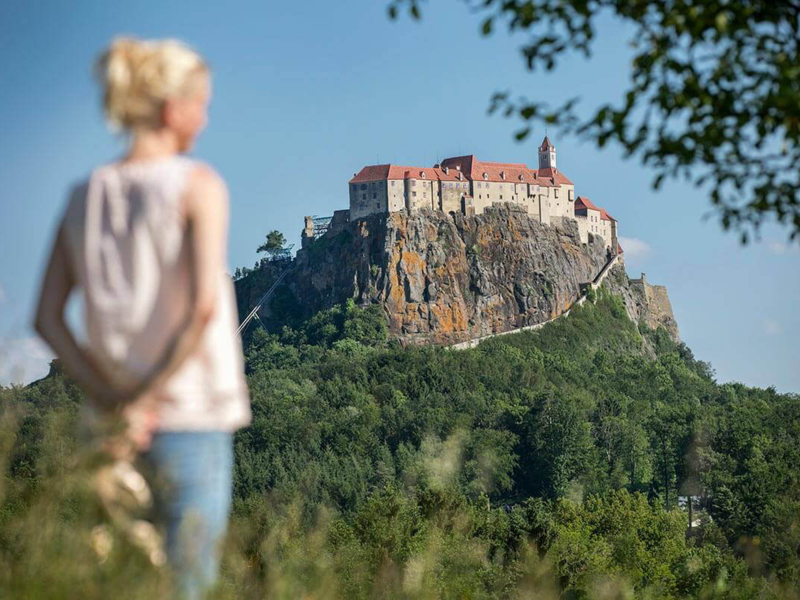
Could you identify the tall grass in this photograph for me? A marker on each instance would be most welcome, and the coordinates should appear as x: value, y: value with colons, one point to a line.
x: 397, y: 546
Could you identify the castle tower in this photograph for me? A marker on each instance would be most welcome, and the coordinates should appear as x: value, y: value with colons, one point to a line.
x: 547, y: 154
x: 307, y: 234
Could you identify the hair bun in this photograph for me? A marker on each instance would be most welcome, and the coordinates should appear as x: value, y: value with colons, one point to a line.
x: 138, y: 75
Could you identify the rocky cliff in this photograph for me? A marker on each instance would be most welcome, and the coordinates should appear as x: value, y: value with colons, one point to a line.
x: 445, y: 279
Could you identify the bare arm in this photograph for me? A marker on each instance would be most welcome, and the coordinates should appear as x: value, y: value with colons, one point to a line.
x: 49, y: 322
x: 206, y: 209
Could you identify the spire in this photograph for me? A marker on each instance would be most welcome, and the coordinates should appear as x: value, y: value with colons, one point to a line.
x: 547, y: 154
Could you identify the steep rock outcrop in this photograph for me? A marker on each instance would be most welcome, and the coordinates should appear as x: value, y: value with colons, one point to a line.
x: 444, y: 279
x: 646, y: 304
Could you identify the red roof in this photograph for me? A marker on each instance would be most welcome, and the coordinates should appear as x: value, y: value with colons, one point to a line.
x: 619, y: 248
x: 465, y: 162
x: 555, y: 174
x: 582, y: 202
x: 389, y: 171
x: 605, y: 216
x: 472, y: 169
x: 372, y: 173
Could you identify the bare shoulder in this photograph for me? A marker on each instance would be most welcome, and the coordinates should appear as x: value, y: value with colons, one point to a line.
x: 206, y: 188
x: 205, y: 179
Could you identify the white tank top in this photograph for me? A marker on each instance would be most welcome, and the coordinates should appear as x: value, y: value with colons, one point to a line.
x: 130, y: 253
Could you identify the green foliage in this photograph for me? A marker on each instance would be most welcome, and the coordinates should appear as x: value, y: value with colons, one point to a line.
x: 274, y: 243
x: 712, y: 94
x: 541, y: 464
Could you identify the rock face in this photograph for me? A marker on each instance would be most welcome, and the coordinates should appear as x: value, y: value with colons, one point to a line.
x: 445, y: 279
x: 646, y: 304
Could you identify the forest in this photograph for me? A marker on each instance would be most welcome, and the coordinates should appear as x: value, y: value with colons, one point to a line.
x: 592, y: 458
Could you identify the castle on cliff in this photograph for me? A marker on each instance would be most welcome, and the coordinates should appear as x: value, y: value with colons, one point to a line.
x: 467, y: 185
x: 420, y: 278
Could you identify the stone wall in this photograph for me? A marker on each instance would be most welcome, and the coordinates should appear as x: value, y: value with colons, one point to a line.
x: 646, y: 303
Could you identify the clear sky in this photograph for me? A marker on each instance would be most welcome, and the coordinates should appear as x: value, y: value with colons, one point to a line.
x: 306, y: 93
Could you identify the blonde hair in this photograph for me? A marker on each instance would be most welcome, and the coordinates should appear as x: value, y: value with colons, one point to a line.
x: 138, y: 76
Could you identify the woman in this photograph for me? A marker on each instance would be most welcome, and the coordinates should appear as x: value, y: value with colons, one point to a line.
x: 144, y: 239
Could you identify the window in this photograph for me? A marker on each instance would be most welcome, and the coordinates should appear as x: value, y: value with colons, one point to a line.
x: 414, y: 194
x: 374, y: 195
x: 392, y: 182
x: 413, y: 182
x: 377, y: 205
x: 556, y: 192
x: 363, y: 186
x: 363, y: 196
x: 501, y: 196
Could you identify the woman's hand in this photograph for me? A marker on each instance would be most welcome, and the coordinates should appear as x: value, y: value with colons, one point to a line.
x: 142, y: 419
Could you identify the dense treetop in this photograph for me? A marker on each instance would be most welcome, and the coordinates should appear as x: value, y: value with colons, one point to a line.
x: 542, y: 462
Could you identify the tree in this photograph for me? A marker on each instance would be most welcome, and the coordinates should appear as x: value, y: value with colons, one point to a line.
x: 273, y: 244
x: 713, y: 94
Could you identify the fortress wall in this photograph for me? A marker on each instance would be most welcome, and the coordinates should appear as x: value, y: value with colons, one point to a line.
x: 560, y: 203
x: 655, y: 308
x: 362, y: 202
x: 658, y: 300
x: 451, y: 198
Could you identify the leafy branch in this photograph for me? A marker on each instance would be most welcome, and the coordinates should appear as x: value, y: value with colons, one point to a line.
x: 713, y: 95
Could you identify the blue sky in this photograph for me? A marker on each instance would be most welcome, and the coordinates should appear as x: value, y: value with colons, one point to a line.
x: 308, y: 93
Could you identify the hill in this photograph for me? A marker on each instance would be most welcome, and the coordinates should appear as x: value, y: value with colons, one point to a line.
x: 544, y: 463
x: 442, y: 279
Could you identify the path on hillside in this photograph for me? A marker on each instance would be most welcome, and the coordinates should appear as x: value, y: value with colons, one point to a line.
x: 594, y: 284
x: 254, y: 313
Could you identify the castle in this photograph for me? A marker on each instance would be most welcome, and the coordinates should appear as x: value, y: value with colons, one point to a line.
x: 465, y: 184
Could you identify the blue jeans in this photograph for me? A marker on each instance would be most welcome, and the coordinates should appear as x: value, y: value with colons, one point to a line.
x: 191, y: 478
